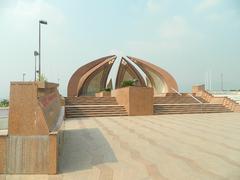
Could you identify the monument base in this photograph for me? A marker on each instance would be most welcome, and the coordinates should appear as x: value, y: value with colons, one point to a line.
x: 138, y: 101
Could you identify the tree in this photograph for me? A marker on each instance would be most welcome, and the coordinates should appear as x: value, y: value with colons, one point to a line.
x: 4, y: 103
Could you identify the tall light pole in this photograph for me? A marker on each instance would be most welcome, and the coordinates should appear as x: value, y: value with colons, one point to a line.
x: 35, y: 71
x: 39, y: 50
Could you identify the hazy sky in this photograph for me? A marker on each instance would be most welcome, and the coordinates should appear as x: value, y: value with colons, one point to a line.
x: 187, y: 38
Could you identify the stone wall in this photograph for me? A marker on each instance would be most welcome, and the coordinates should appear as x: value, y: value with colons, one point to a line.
x: 3, y: 153
x: 35, y: 115
x: 138, y: 101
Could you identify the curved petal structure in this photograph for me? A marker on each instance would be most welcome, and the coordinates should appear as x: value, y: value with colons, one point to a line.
x: 127, y: 71
x: 158, y: 78
x: 90, y: 78
x: 110, y: 84
x: 95, y: 80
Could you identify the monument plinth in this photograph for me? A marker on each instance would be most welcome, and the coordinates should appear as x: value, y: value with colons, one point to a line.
x: 35, y: 115
x: 138, y: 101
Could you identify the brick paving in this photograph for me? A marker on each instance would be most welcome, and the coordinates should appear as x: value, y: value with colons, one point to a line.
x: 168, y: 147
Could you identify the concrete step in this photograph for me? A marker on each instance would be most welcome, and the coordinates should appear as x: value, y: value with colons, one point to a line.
x: 90, y: 100
x: 189, y: 108
x: 98, y: 115
x: 95, y: 107
x: 92, y: 113
x: 95, y: 111
x: 176, y: 99
x: 95, y: 114
x: 167, y: 113
x: 177, y: 108
x: 183, y: 109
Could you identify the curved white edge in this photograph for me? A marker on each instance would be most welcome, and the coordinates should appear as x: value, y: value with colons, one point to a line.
x: 59, y: 121
x: 4, y: 132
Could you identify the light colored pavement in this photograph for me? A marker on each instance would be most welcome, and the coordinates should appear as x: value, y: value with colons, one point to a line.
x: 3, y: 118
x: 3, y: 123
x: 3, y: 112
x: 171, y: 147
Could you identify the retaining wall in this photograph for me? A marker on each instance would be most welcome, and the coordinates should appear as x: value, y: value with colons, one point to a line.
x: 35, y: 116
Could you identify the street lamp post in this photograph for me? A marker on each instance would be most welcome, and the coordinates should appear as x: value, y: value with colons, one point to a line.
x: 39, y: 50
x: 35, y: 71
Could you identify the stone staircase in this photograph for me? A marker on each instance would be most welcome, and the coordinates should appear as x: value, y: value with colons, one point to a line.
x: 90, y: 100
x: 90, y: 106
x: 185, y: 104
x: 174, y: 98
x: 162, y: 109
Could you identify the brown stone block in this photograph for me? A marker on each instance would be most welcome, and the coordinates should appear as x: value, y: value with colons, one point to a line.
x: 138, y: 101
x: 28, y: 155
x: 35, y: 109
x: 198, y: 88
x: 25, y: 115
x: 103, y: 94
x: 53, y: 154
x: 3, y: 154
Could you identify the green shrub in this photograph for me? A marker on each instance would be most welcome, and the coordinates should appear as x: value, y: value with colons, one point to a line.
x: 4, y: 103
x: 128, y: 83
x: 106, y: 90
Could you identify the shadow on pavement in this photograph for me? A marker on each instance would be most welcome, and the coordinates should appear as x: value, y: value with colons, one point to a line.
x: 82, y: 149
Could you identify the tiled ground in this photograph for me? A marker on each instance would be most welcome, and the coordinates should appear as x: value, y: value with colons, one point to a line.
x: 3, y: 118
x: 176, y: 147
x: 3, y: 123
x: 3, y: 112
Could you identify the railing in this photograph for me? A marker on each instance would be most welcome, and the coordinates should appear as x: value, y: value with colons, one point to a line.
x: 227, y: 102
x: 207, y: 96
x: 196, y: 99
x: 176, y: 91
x: 200, y: 102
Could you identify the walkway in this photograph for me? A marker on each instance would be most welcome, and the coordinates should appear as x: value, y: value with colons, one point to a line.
x: 171, y: 147
x: 3, y: 118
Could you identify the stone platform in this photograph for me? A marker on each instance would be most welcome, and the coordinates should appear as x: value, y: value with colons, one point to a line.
x: 179, y: 147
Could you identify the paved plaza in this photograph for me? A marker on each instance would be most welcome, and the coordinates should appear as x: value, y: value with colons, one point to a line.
x: 168, y: 147
x: 3, y: 118
x: 3, y: 123
x: 3, y: 112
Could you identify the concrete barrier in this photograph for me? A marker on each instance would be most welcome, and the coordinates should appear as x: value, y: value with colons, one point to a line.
x: 3, y: 152
x: 35, y: 116
x: 138, y: 101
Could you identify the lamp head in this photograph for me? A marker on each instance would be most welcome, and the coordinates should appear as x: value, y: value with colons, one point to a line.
x: 43, y: 22
x: 36, y: 53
